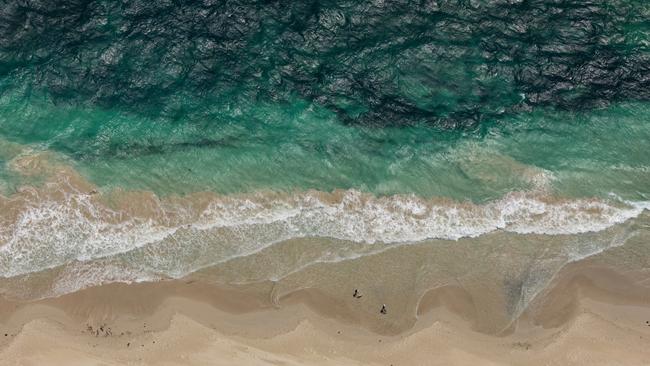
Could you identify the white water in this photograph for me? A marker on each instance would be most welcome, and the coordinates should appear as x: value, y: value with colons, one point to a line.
x: 51, y: 233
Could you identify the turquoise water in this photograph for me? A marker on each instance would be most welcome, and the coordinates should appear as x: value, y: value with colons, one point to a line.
x: 436, y: 98
x: 302, y: 146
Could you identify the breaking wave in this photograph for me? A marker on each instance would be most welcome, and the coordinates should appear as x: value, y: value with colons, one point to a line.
x: 42, y: 233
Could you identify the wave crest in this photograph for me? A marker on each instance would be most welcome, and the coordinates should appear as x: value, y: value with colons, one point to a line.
x: 43, y: 230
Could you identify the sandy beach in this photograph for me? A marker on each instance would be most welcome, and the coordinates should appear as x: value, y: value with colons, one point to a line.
x: 589, y: 315
x: 204, y: 298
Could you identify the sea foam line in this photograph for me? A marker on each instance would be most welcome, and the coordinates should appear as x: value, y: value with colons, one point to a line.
x: 50, y: 233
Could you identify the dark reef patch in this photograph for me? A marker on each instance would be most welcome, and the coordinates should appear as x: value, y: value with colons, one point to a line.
x: 446, y: 63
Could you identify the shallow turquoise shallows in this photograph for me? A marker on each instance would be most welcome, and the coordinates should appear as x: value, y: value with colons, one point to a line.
x: 299, y: 145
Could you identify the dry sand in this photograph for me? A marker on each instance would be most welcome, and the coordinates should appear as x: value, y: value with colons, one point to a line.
x: 590, y: 315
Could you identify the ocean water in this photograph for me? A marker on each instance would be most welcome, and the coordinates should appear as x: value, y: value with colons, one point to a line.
x: 145, y: 140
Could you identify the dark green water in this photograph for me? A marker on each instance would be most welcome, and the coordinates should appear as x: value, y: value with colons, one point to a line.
x: 396, y: 102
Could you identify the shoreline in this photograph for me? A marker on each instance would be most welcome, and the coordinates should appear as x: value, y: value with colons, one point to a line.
x: 590, y: 314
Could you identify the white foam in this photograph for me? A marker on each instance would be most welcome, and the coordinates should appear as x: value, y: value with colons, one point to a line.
x: 50, y: 233
x: 363, y: 218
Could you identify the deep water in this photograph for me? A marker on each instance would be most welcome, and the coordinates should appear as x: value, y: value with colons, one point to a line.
x: 382, y: 63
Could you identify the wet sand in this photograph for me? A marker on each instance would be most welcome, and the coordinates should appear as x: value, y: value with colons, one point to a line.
x: 591, y: 314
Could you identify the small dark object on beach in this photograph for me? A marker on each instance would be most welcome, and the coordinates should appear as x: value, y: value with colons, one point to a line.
x: 6, y: 334
x: 383, y: 309
x: 128, y: 344
x: 356, y: 294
